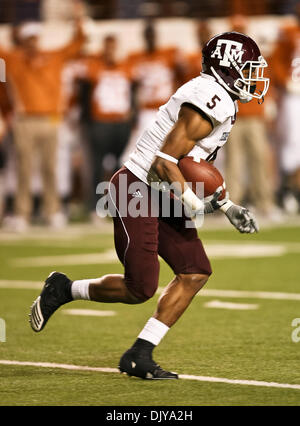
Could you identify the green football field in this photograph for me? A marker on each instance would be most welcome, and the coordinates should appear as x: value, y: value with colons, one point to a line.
x: 235, y: 345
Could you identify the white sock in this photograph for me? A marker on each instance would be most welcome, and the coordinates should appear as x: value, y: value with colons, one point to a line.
x: 154, y: 331
x: 80, y: 289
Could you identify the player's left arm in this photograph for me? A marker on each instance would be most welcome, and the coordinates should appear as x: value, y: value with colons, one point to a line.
x: 188, y: 129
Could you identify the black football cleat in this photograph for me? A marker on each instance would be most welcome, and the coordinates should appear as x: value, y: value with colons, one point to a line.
x: 56, y: 292
x: 133, y: 364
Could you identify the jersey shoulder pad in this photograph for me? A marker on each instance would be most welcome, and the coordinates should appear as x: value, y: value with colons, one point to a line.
x: 211, y: 98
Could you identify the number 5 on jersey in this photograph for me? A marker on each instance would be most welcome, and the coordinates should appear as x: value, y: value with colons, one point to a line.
x: 213, y: 102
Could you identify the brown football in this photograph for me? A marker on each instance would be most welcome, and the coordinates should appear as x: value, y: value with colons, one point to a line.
x: 202, y: 171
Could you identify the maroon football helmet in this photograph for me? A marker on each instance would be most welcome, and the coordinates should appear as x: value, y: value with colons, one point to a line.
x: 235, y: 61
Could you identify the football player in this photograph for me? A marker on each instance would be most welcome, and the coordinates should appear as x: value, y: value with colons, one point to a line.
x: 196, y: 121
x: 286, y: 78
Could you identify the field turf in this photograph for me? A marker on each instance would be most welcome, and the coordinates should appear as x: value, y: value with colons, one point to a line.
x: 243, y: 344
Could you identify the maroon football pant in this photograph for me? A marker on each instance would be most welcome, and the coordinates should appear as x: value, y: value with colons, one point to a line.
x: 139, y: 240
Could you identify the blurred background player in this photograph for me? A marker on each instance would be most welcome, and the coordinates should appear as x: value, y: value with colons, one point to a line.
x: 286, y: 78
x: 247, y: 159
x: 109, y: 108
x: 194, y: 60
x: 35, y: 76
x: 72, y: 172
x: 157, y: 72
x: 5, y: 110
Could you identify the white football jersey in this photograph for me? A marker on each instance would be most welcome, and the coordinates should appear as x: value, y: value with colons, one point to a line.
x: 202, y: 92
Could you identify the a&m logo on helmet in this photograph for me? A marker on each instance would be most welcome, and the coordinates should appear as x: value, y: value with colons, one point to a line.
x: 233, y: 50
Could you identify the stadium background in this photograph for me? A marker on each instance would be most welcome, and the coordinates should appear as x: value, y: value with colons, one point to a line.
x: 231, y: 340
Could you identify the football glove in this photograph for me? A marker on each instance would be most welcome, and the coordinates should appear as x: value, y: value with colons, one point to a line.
x: 242, y: 219
x: 210, y: 205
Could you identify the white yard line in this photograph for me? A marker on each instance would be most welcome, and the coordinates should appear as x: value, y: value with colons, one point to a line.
x: 108, y: 256
x: 181, y: 376
x: 214, y: 251
x: 71, y: 232
x: 217, y: 304
x: 61, y: 366
x: 223, y: 250
x: 20, y: 284
x: 234, y: 294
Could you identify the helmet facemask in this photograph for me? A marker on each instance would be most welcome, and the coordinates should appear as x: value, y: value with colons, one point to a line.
x: 250, y: 83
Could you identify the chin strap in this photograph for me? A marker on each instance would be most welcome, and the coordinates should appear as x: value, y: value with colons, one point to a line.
x: 262, y: 100
x: 246, y: 100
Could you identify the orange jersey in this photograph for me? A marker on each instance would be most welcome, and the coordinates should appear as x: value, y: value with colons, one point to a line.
x: 36, y: 80
x: 194, y: 65
x: 111, y: 94
x: 251, y: 109
x: 155, y: 74
x: 285, y: 62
